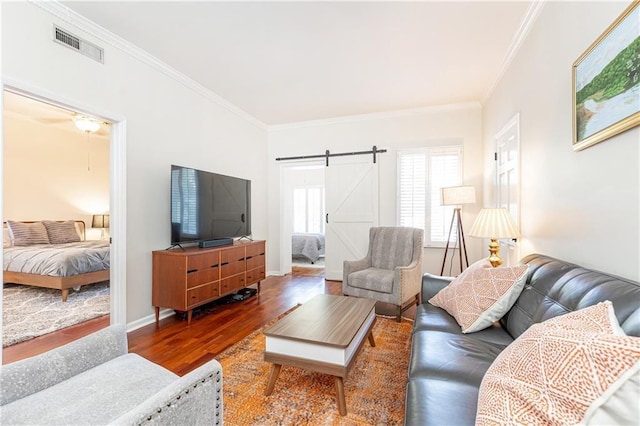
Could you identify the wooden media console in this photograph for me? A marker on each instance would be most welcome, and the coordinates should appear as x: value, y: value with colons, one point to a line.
x: 186, y: 279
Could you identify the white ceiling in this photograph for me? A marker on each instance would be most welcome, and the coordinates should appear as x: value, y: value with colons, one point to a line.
x: 285, y: 62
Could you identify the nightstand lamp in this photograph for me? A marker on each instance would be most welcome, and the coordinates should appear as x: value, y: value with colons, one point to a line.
x: 494, y: 223
x: 100, y: 221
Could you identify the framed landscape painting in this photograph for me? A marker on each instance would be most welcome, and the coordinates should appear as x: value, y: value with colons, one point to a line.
x: 606, y: 82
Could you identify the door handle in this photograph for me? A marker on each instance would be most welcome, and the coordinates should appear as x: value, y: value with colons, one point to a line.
x: 326, y: 218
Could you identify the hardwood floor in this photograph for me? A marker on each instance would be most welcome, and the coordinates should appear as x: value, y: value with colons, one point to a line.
x: 181, y: 348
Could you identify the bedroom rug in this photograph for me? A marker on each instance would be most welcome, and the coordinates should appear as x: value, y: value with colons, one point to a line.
x: 29, y: 312
x: 374, y: 389
x: 303, y: 261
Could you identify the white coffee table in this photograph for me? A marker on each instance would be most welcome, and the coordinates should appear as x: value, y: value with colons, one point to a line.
x: 323, y: 335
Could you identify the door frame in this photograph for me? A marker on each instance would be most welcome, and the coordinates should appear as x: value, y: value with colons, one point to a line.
x: 286, y: 210
x: 509, y: 248
x: 117, y: 184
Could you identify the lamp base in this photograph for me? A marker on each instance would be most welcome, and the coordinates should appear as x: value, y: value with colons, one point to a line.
x: 494, y: 249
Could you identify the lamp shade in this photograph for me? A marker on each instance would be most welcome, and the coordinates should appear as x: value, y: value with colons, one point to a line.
x: 457, y: 195
x: 100, y: 221
x: 494, y: 223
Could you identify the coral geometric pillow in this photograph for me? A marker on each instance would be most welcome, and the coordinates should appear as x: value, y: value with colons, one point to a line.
x: 556, y: 369
x: 481, y: 295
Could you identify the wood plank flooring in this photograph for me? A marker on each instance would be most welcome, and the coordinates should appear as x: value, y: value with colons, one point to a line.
x: 181, y: 348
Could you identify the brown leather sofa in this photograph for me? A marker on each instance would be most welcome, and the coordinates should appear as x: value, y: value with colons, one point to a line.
x: 447, y: 367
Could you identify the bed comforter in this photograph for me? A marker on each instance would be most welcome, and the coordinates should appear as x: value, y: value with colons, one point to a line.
x: 310, y: 246
x: 58, y: 260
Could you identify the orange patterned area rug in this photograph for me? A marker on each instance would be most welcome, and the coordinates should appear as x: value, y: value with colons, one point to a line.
x: 374, y: 389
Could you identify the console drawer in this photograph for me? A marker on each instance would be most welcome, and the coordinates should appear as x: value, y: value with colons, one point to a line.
x: 255, y: 275
x: 199, y: 295
x: 255, y: 249
x: 231, y: 284
x: 202, y: 276
x: 232, y: 255
x: 255, y: 261
x: 232, y: 268
x: 203, y: 261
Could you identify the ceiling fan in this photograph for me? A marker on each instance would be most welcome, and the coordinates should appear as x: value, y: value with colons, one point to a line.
x: 45, y: 113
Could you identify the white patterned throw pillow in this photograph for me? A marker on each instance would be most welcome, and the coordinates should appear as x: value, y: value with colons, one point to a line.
x: 577, y: 367
x: 481, y: 295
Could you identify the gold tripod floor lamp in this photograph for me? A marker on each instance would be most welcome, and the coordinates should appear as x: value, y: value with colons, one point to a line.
x: 456, y: 196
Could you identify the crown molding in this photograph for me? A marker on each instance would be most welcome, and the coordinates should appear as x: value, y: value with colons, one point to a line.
x: 525, y: 26
x: 377, y: 116
x: 71, y: 17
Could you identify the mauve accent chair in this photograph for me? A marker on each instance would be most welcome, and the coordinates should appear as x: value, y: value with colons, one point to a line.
x: 392, y: 270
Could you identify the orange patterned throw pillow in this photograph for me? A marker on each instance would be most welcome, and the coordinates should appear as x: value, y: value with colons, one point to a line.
x: 557, y: 369
x: 481, y: 294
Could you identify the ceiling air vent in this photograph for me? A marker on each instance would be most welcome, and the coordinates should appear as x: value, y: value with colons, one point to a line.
x: 76, y: 43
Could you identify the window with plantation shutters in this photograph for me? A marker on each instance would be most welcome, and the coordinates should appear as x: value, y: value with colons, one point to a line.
x: 421, y: 174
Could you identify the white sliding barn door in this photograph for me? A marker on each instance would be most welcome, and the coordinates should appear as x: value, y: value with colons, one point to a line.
x: 351, y: 201
x: 508, y: 181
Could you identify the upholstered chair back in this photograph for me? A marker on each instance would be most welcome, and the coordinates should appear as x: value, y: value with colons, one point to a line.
x: 391, y: 247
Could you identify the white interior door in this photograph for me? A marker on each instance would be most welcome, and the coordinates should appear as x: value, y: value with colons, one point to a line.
x: 508, y: 181
x: 351, y: 201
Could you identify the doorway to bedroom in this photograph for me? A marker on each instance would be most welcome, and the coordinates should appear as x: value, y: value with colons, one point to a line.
x: 56, y: 166
x: 307, y: 194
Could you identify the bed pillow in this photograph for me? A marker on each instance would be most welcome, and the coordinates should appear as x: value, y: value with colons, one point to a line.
x: 6, y: 237
x: 62, y: 232
x: 556, y: 370
x: 26, y: 234
x: 481, y: 295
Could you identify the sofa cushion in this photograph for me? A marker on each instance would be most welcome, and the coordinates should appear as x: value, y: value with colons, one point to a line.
x: 429, y: 317
x: 480, y: 295
x: 440, y: 402
x: 97, y: 396
x: 555, y: 287
x: 556, y: 369
x: 380, y: 280
x: 455, y: 357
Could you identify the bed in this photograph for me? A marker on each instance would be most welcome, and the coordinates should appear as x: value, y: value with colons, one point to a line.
x: 62, y: 262
x: 310, y: 246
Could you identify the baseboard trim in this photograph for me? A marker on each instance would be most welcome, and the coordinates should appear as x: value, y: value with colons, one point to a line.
x: 149, y: 319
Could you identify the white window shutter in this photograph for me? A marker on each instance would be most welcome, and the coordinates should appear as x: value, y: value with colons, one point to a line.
x: 421, y: 174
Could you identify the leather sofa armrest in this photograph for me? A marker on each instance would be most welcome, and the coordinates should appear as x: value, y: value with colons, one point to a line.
x: 432, y: 284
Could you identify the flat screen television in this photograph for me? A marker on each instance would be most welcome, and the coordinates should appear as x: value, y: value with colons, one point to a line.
x: 208, y: 206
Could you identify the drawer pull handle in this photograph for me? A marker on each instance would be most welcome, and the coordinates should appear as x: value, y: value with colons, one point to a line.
x: 191, y: 271
x: 214, y: 266
x: 249, y: 257
x: 224, y: 263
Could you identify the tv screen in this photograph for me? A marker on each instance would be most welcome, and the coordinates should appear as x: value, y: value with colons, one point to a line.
x: 208, y: 206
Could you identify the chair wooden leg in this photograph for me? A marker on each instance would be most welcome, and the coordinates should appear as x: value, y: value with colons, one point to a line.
x: 399, y: 314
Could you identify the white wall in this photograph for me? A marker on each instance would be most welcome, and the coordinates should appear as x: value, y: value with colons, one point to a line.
x: 167, y: 122
x: 46, y: 173
x: 581, y: 206
x: 394, y: 131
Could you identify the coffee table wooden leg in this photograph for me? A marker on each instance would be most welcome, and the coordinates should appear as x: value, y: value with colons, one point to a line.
x: 275, y: 371
x: 373, y: 342
x: 342, y: 404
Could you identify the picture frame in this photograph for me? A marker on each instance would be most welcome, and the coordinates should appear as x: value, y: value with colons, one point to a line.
x: 606, y: 82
